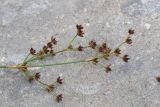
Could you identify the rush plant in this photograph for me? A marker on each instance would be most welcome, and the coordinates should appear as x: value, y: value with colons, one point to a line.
x: 102, y: 52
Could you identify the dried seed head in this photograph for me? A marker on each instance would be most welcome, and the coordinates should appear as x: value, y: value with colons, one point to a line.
x: 80, y: 48
x: 45, y: 49
x: 50, y: 88
x: 32, y: 51
x: 60, y: 80
x: 104, y: 48
x: 108, y: 68
x: 125, y: 58
x: 104, y: 45
x: 59, y: 97
x: 52, y: 52
x: 131, y: 31
x: 79, y: 30
x: 49, y: 45
x: 158, y: 78
x: 100, y: 49
x: 37, y: 76
x: 128, y: 40
x: 92, y: 44
x: 117, y: 51
x: 53, y: 40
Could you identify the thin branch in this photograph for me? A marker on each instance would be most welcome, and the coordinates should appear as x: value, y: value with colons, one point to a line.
x: 72, y: 40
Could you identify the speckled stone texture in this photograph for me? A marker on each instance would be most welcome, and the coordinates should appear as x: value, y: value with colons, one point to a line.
x: 30, y: 23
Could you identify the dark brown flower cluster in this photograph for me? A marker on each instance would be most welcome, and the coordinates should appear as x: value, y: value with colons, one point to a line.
x: 106, y: 51
x: 48, y: 48
x: 104, y: 48
x: 80, y: 48
x: 37, y: 76
x: 92, y: 44
x: 79, y: 30
x: 108, y: 68
x: 59, y: 97
x: 125, y: 58
x: 32, y: 51
x: 131, y: 31
x: 51, y: 87
x: 117, y: 51
x: 60, y: 80
x: 129, y: 40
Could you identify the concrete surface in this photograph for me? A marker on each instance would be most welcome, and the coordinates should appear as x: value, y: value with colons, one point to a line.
x: 29, y: 23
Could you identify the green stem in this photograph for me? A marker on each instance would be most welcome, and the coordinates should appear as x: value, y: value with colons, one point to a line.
x: 42, y: 83
x: 62, y: 63
x: 31, y: 59
x: 120, y: 44
x: 72, y: 40
x: 100, y: 65
x: 36, y: 58
x: 26, y: 58
x: 51, y: 65
x: 4, y: 66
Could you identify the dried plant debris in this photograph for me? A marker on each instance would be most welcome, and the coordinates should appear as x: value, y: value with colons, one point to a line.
x: 104, y: 52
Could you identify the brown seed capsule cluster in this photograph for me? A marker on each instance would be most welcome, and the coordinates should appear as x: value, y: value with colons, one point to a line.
x: 46, y: 49
x: 117, y: 51
x: 92, y: 44
x: 80, y: 48
x: 59, y: 97
x: 53, y: 40
x: 37, y: 76
x: 49, y: 87
x: 104, y: 48
x: 107, y: 51
x: 131, y: 31
x: 108, y: 68
x: 60, y: 80
x: 125, y: 58
x: 32, y: 51
x: 80, y: 30
x: 128, y: 39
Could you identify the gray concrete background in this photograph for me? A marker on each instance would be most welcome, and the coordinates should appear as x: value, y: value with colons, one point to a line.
x: 30, y: 23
